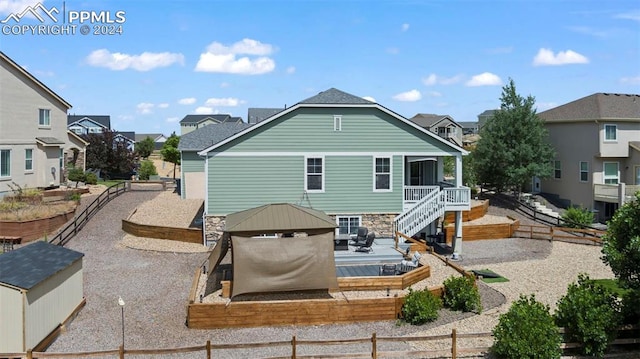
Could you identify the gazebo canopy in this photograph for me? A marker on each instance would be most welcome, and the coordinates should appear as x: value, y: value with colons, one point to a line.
x: 279, y: 218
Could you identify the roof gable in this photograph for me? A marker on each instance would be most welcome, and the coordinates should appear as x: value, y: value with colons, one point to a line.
x: 598, y: 106
x: 335, y: 96
x: 255, y: 115
x: 217, y: 118
x: 431, y: 120
x: 99, y: 120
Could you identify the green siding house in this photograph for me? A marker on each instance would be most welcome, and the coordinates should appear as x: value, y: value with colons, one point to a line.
x: 354, y: 159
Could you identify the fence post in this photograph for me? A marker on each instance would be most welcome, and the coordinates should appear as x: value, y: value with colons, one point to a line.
x: 29, y: 354
x: 121, y: 351
x: 454, y: 349
x: 208, y: 347
x: 374, y: 346
x: 293, y: 347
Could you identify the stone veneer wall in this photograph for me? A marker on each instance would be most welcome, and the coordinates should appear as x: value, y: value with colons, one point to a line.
x: 381, y: 224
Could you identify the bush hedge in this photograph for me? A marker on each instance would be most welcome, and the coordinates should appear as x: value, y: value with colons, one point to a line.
x: 461, y: 293
x: 420, y: 307
x: 577, y: 217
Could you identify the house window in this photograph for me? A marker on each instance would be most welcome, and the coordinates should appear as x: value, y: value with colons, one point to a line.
x: 557, y: 169
x: 337, y: 123
x: 611, y: 174
x: 28, y: 159
x: 314, y: 175
x: 610, y: 132
x: 44, y: 117
x: 382, y: 174
x: 348, y: 224
x: 584, y: 171
x: 5, y: 163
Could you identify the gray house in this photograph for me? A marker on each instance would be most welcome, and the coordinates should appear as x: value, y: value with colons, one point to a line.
x: 193, y: 122
x: 85, y: 124
x: 354, y: 159
x: 442, y: 125
x: 597, y: 143
x: 34, y: 140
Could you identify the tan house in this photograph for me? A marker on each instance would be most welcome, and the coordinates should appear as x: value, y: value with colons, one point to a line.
x: 442, y: 125
x: 34, y: 140
x: 597, y: 143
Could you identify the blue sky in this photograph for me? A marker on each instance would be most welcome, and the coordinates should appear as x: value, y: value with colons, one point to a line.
x: 445, y: 57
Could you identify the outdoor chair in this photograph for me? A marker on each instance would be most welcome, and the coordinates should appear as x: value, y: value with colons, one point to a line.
x: 387, y: 269
x: 361, y: 237
x: 409, y: 265
x: 366, y: 246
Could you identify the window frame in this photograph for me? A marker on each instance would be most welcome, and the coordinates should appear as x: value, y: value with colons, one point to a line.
x: 557, y: 169
x: 375, y: 174
x: 307, y: 174
x: 615, y: 132
x: 42, y: 120
x: 583, y: 171
x: 8, y: 166
x: 348, y: 217
x: 337, y: 123
x: 604, y: 173
x: 28, y: 160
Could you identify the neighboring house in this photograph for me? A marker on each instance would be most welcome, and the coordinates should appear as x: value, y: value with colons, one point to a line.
x: 192, y: 179
x: 354, y: 159
x: 484, y: 117
x: 127, y: 139
x: 442, y: 125
x: 158, y: 139
x: 193, y: 122
x: 597, y: 144
x: 469, y: 127
x: 256, y: 114
x: 34, y: 140
x: 85, y: 124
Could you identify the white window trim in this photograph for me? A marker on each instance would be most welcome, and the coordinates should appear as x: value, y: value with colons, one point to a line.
x: 580, y: 171
x: 9, y: 176
x: 323, y: 174
x: 26, y: 170
x: 604, y: 173
x: 615, y: 132
x: 337, y: 123
x: 348, y: 217
x: 557, y: 169
x: 44, y: 125
x: 390, y: 189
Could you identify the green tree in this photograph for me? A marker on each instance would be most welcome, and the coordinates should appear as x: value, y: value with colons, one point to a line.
x: 170, y: 151
x: 76, y: 175
x: 147, y: 169
x: 145, y: 147
x: 513, y: 145
x: 107, y: 154
x: 621, y: 244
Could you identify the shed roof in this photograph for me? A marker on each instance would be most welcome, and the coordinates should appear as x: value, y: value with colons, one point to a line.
x: 34, y: 263
x: 278, y: 217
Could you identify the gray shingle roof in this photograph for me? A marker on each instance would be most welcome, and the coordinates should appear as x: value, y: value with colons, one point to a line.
x: 34, y: 263
x: 598, y: 106
x: 255, y: 114
x: 50, y: 141
x: 335, y: 96
x: 209, y: 135
x: 216, y: 117
x: 128, y: 134
x: 104, y: 120
x: 426, y: 119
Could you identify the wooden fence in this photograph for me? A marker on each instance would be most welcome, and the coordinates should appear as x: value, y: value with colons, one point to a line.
x: 79, y: 220
x: 590, y: 236
x: 189, y: 235
x: 453, y: 344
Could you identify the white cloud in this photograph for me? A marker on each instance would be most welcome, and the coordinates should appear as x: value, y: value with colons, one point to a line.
x: 163, y: 105
x: 144, y: 108
x: 484, y: 79
x: 546, y: 57
x: 405, y: 27
x: 203, y: 110
x: 143, y: 62
x: 172, y: 119
x: 229, y: 102
x: 369, y: 98
x: 221, y: 58
x: 409, y: 96
x: 187, y: 101
x: 434, y: 79
x: 630, y: 80
x: 631, y: 15
x: 433, y: 94
x: 16, y: 6
x: 291, y: 70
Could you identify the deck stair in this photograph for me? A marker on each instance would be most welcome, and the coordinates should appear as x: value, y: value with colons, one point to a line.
x: 421, y: 214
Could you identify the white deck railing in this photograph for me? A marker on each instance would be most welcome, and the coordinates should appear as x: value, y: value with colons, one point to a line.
x: 609, y: 192
x: 457, y: 198
x: 425, y: 211
x: 416, y: 193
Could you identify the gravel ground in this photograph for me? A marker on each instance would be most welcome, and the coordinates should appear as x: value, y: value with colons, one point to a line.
x: 155, y: 286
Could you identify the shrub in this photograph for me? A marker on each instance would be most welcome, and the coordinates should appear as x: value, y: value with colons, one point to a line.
x: 420, y: 307
x: 527, y: 330
x: 461, y: 293
x: 631, y: 307
x: 76, y: 175
x: 590, y: 313
x: 577, y: 217
x: 90, y: 178
x: 75, y: 196
x: 147, y: 169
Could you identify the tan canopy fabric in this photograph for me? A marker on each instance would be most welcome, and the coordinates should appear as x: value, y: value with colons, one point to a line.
x: 218, y: 252
x: 283, y: 264
x: 278, y: 218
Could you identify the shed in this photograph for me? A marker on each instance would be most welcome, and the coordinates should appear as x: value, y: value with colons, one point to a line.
x: 40, y: 289
x: 278, y: 263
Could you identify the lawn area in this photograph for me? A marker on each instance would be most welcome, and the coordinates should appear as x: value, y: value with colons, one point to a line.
x: 109, y: 183
x: 612, y: 285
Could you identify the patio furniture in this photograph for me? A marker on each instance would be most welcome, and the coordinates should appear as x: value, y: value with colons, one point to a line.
x: 361, y: 237
x: 8, y: 243
x: 341, y: 242
x: 409, y: 265
x: 366, y: 246
x: 387, y: 269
